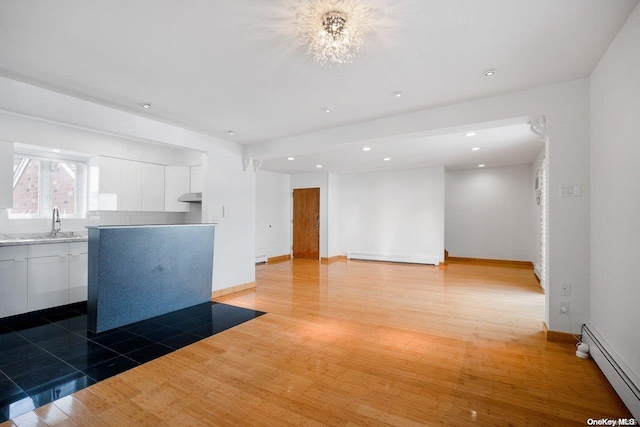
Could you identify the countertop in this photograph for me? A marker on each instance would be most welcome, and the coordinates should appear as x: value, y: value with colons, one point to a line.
x: 40, y: 238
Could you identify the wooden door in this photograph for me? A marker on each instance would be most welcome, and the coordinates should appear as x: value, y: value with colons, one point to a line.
x: 306, y: 223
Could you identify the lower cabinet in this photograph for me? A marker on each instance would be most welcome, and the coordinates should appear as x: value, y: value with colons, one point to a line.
x: 35, y: 277
x: 13, y: 280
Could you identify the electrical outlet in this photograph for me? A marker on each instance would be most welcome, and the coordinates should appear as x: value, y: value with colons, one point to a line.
x: 564, y: 307
x: 565, y: 289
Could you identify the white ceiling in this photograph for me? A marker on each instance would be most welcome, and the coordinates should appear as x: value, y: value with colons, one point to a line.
x: 214, y: 66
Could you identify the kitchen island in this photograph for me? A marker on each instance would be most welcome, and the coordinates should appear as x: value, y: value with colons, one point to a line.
x: 139, y: 272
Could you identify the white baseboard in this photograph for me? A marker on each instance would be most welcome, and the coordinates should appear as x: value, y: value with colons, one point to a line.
x: 394, y: 258
x: 261, y: 258
x: 624, y: 382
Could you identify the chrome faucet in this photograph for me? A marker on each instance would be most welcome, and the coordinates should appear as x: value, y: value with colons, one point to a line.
x: 56, y: 225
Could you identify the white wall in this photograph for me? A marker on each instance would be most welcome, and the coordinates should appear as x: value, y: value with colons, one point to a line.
x: 333, y: 213
x: 30, y: 114
x: 615, y: 178
x: 273, y: 214
x: 393, y: 213
x: 316, y: 180
x: 488, y: 213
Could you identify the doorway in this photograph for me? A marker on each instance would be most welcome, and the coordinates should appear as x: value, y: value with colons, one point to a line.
x: 306, y: 223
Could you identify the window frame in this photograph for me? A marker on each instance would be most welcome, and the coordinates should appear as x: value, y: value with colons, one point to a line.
x: 44, y: 184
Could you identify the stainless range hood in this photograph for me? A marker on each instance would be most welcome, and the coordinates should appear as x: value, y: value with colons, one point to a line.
x: 191, y: 198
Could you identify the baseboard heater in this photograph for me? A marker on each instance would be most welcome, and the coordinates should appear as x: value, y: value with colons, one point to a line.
x: 260, y: 259
x: 394, y: 258
x: 625, y: 382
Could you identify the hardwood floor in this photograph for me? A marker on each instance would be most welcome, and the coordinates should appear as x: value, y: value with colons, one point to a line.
x: 361, y: 343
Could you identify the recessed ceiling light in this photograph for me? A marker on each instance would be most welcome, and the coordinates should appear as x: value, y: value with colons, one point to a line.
x: 475, y: 148
x: 366, y: 149
x: 291, y: 158
x: 147, y: 106
x: 318, y: 166
x: 480, y: 166
x: 470, y: 134
x: 397, y: 94
x: 230, y: 132
x: 490, y: 72
x: 327, y: 110
x: 386, y: 159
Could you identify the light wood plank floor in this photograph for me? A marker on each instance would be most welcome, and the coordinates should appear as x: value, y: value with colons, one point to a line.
x: 361, y: 343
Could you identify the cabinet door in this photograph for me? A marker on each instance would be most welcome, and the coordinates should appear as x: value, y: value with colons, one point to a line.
x: 110, y: 184
x: 78, y: 264
x: 13, y: 287
x: 48, y: 282
x: 131, y: 186
x: 152, y: 187
x: 196, y: 179
x: 6, y: 174
x: 176, y: 184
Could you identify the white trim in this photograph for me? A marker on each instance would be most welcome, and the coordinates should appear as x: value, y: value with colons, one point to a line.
x: 413, y: 259
x: 261, y: 258
x: 620, y: 376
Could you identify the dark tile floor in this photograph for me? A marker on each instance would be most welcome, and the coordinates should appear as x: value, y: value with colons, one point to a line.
x: 49, y: 355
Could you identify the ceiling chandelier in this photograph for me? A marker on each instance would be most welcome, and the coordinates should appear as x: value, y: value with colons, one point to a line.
x: 333, y: 29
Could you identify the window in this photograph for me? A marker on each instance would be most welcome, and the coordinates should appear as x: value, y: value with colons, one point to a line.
x: 43, y: 183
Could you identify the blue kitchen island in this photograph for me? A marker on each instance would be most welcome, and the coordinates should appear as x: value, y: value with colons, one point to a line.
x: 139, y: 272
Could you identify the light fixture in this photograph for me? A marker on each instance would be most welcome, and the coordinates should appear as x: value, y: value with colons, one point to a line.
x: 366, y: 149
x: 291, y: 158
x: 230, y: 132
x: 55, y: 150
x: 397, y: 94
x: 147, y: 106
x: 480, y: 166
x: 318, y: 166
x: 490, y: 72
x: 386, y: 159
x: 475, y: 148
x: 334, y: 30
x: 470, y: 134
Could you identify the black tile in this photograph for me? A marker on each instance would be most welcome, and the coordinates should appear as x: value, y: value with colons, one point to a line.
x: 150, y: 352
x: 15, y: 354
x: 57, y: 315
x: 162, y: 334
x: 63, y: 386
x: 9, y: 391
x: 74, y: 324
x: 110, y: 368
x: 21, y: 324
x: 34, y: 360
x: 182, y: 340
x: 44, y: 376
x: 93, y: 335
x: 14, y: 408
x: 144, y: 327
x: 4, y: 330
x: 112, y: 338
x: 12, y: 340
x: 129, y: 345
x: 193, y: 323
x: 42, y: 333
x: 84, y: 355
x: 69, y: 339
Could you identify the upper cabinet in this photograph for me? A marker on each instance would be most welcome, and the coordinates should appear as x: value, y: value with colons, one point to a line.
x: 177, y: 180
x: 125, y: 185
x: 6, y: 174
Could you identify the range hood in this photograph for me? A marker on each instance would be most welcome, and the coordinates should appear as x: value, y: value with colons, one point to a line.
x: 191, y: 198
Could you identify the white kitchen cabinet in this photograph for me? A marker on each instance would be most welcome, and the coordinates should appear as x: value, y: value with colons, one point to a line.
x: 6, y: 174
x: 131, y: 186
x: 48, y: 271
x: 176, y: 183
x: 152, y: 187
x: 13, y: 280
x: 78, y: 271
x: 105, y: 184
x: 196, y: 179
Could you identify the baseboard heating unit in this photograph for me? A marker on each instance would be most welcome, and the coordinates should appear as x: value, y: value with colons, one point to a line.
x: 394, y: 258
x: 625, y: 382
x: 261, y: 259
